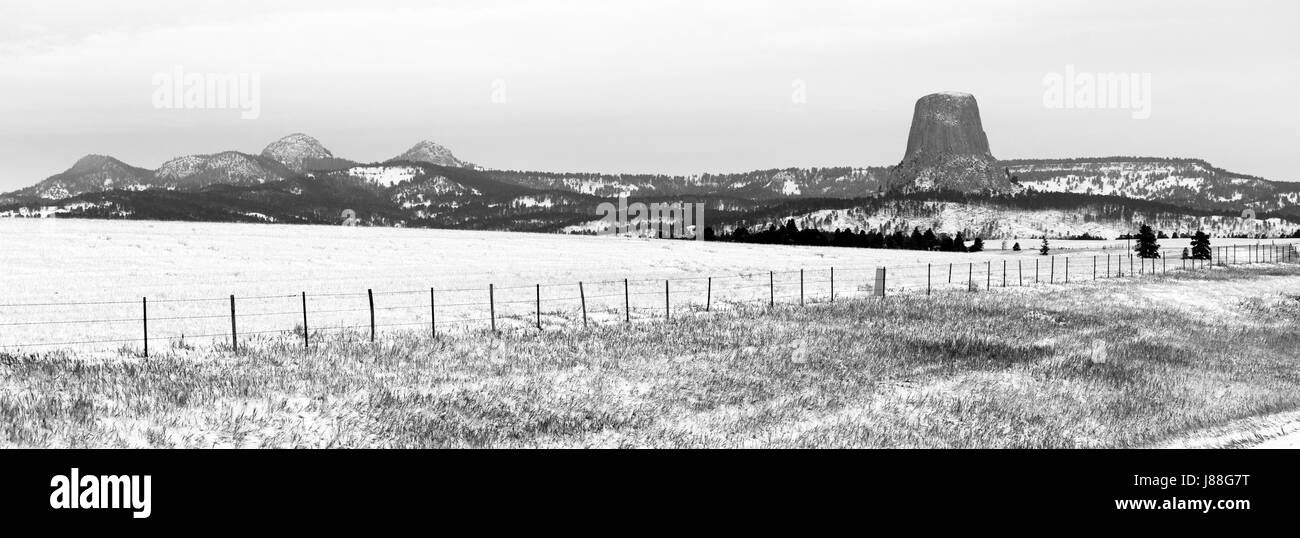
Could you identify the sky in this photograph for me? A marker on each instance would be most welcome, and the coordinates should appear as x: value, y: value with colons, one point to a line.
x: 664, y: 86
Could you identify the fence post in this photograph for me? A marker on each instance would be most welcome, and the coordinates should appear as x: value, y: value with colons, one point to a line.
x: 1164, y: 265
x: 1067, y: 269
x: 832, y: 284
x: 801, y: 287
x: 1094, y: 267
x: 144, y: 304
x: 988, y: 274
x: 970, y: 276
x: 950, y: 273
x: 370, y: 294
x: 234, y: 334
x: 627, y: 304
x: 539, y: 307
x: 433, y: 315
x: 927, y: 279
x: 582, y: 296
x: 1107, y: 265
x: 771, y: 288
x: 1036, y: 271
x: 306, y: 341
x: 1004, y: 273
x: 1051, y: 275
x: 708, y: 293
x: 880, y: 282
x: 492, y: 306
x: 668, y: 313
x: 1020, y: 272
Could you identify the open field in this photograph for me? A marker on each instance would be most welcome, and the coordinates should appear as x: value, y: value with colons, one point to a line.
x: 1012, y: 368
x: 188, y: 271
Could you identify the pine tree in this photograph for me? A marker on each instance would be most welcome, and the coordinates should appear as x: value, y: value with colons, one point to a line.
x: 1044, y: 249
x: 1147, y: 246
x: 959, y: 243
x: 1016, y: 247
x: 978, y: 246
x: 1201, y: 246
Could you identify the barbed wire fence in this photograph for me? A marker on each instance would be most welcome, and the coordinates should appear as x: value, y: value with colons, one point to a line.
x: 548, y: 306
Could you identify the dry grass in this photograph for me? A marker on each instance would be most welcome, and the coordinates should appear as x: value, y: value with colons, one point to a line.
x: 1002, y: 369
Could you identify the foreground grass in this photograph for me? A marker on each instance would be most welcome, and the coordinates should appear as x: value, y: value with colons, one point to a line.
x: 1002, y: 369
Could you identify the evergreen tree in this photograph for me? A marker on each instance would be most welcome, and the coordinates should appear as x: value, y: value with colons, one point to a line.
x: 916, y: 241
x: 1016, y: 247
x: 945, y: 243
x: 959, y: 243
x: 929, y: 239
x: 1201, y: 246
x: 1186, y: 255
x: 978, y: 246
x: 900, y: 240
x: 1147, y: 247
x: 1044, y: 249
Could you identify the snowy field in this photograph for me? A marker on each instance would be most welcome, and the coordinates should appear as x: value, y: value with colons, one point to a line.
x: 189, y: 270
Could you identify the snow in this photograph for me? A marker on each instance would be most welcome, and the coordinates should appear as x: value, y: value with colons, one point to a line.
x: 532, y: 201
x: 384, y: 175
x: 790, y: 188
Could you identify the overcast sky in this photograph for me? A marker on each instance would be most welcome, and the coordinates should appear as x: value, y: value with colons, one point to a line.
x: 659, y: 86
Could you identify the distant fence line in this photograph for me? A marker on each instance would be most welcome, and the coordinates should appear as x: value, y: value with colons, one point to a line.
x: 493, y: 312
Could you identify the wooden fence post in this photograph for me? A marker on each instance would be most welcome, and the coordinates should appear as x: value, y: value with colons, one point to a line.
x: 539, y: 307
x: 371, y: 295
x: 771, y: 288
x: 306, y: 340
x: 627, y: 304
x: 950, y: 273
x: 1036, y: 271
x: 1094, y: 267
x: 988, y: 274
x: 1067, y: 269
x: 144, y: 304
x: 1020, y: 272
x: 1004, y: 273
x: 927, y: 279
x: 801, y: 287
x: 970, y: 277
x: 433, y: 315
x: 880, y: 282
x: 832, y: 284
x: 582, y: 296
x: 234, y: 334
x: 1051, y: 274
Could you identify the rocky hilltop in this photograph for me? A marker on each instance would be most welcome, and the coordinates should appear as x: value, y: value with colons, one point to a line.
x: 947, y: 148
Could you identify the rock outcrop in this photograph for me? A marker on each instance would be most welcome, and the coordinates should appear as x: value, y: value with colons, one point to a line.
x: 432, y: 153
x: 947, y: 148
